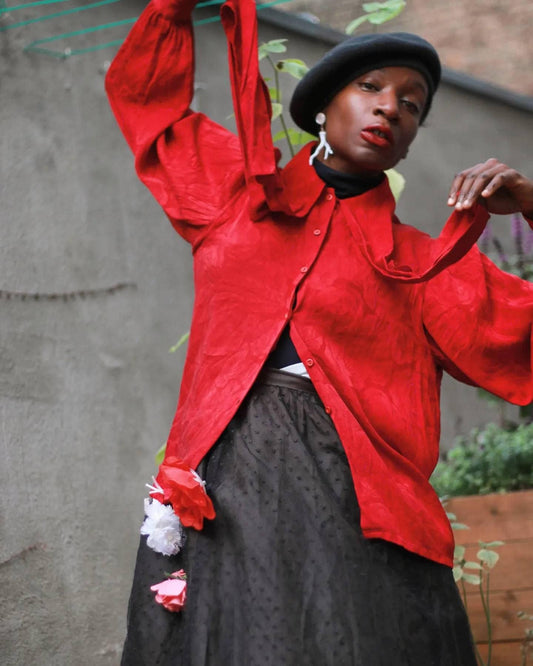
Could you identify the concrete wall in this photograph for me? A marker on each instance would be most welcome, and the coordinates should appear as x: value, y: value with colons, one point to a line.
x: 95, y: 288
x: 87, y: 385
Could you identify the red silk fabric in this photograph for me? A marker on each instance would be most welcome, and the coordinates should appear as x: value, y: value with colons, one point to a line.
x: 377, y: 309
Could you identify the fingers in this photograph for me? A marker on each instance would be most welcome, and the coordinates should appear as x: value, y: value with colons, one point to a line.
x: 481, y: 180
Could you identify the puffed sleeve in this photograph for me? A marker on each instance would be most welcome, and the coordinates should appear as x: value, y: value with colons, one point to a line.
x: 192, y: 165
x: 478, y: 320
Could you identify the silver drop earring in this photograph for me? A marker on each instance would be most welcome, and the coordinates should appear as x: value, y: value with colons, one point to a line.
x: 320, y: 119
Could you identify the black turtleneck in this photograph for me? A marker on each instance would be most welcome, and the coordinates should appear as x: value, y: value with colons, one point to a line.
x: 345, y: 185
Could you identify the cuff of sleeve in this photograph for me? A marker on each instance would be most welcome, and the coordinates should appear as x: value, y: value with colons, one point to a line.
x: 175, y: 10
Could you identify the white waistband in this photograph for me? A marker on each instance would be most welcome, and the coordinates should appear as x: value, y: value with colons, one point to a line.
x: 297, y: 369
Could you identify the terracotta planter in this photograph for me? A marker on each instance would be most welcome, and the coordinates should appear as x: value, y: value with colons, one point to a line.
x: 507, y: 518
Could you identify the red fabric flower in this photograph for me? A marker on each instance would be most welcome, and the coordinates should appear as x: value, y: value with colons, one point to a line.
x: 171, y: 593
x: 184, y: 489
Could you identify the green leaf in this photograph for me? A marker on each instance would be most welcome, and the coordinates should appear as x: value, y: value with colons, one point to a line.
x: 273, y: 92
x: 305, y: 137
x: 491, y: 544
x: 377, y: 13
x: 274, y: 46
x: 388, y: 5
x: 459, y: 526
x: 293, y: 66
x: 488, y: 557
x: 179, y: 343
x: 396, y: 183
x: 279, y: 136
x: 353, y: 25
x: 457, y: 573
x: 379, y: 17
x: 160, y: 455
x: 472, y: 565
x: 277, y: 110
x: 459, y: 552
x: 473, y: 579
x: 296, y: 137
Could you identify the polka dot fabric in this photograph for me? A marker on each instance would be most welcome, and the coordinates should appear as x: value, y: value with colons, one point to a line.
x: 283, y: 575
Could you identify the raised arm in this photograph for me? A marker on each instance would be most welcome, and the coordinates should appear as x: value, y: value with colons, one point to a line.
x: 192, y: 165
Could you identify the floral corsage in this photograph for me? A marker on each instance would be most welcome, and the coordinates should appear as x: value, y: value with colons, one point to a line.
x: 177, y: 499
x: 179, y: 485
x: 171, y: 593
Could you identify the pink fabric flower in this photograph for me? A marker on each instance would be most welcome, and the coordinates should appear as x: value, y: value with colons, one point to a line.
x: 171, y: 593
x: 184, y: 489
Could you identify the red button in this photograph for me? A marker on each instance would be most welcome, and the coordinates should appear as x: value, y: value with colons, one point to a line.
x: 310, y: 362
x: 317, y: 232
x: 304, y: 269
x: 328, y: 410
x: 329, y: 197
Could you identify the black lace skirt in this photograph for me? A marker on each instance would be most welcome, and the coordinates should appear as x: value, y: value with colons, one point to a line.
x: 283, y: 575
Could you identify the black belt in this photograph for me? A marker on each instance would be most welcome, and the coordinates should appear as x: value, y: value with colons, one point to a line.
x: 275, y: 377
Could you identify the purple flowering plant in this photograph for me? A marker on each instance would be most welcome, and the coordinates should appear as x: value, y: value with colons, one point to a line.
x: 518, y: 260
x: 514, y: 255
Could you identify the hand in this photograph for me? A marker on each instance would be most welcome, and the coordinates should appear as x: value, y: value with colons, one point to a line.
x: 500, y: 189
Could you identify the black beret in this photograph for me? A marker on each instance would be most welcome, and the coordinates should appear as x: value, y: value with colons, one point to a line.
x: 355, y: 56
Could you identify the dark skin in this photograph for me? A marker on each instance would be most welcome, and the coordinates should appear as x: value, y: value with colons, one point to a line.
x: 392, y: 99
x: 499, y: 188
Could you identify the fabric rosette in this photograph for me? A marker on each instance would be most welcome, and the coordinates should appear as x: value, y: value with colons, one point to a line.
x: 162, y: 527
x: 179, y: 485
x: 172, y: 593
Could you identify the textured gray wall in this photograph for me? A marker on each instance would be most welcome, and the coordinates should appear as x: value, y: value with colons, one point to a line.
x: 87, y: 386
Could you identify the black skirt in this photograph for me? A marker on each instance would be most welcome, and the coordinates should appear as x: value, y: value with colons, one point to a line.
x: 283, y: 574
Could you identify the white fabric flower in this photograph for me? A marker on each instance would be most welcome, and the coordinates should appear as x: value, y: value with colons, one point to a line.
x: 163, y: 527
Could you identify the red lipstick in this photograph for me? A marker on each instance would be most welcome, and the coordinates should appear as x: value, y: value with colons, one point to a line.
x: 378, y: 135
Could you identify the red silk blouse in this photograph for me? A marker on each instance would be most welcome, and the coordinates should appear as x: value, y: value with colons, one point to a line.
x: 377, y: 309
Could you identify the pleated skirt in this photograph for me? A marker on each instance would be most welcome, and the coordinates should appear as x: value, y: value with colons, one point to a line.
x: 283, y: 575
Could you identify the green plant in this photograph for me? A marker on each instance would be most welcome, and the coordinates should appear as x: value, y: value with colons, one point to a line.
x: 526, y: 648
x: 377, y: 13
x: 296, y: 68
x: 179, y: 343
x: 476, y: 573
x: 487, y: 460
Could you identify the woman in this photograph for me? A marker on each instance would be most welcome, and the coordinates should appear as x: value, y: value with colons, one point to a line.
x: 310, y: 395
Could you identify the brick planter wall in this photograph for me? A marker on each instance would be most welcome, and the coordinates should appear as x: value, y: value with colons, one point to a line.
x: 508, y: 518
